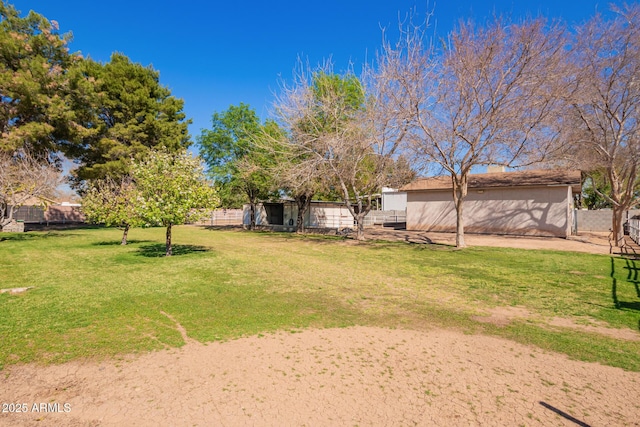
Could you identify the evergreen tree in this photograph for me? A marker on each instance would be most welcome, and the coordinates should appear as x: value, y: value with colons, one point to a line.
x: 131, y: 113
x: 41, y: 108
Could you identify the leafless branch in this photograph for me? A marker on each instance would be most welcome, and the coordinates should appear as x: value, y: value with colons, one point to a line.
x: 24, y: 177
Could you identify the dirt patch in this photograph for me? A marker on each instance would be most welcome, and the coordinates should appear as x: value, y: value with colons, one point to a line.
x: 15, y: 290
x: 502, y: 316
x: 363, y: 376
x: 594, y: 327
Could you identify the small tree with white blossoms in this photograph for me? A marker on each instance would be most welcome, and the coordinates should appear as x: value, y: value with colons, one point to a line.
x: 172, y: 189
x: 112, y: 203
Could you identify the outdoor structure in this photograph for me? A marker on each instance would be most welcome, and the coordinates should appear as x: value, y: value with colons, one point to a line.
x: 600, y: 220
x: 283, y: 215
x: 323, y: 215
x: 393, y: 200
x: 538, y: 203
x: 47, y: 211
x: 44, y: 210
x: 222, y: 217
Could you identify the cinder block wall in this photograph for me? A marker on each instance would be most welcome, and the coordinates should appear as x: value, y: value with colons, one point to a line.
x: 598, y: 220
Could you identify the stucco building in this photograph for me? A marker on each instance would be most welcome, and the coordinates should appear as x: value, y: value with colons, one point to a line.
x: 519, y: 203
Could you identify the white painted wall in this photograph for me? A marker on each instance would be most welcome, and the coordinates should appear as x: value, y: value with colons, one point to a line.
x: 394, y: 201
x: 261, y: 215
x: 322, y: 215
x: 326, y: 215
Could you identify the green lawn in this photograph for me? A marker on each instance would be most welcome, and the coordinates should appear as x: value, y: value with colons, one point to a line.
x: 93, y: 298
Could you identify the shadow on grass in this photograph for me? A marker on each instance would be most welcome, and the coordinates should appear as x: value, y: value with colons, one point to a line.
x: 224, y: 227
x: 118, y: 242
x: 68, y: 226
x: 632, y: 278
x: 308, y: 235
x: 158, y: 250
x: 329, y: 236
x: 18, y: 237
x: 376, y: 243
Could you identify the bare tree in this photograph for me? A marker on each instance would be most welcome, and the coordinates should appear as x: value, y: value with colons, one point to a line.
x: 300, y: 179
x: 294, y: 169
x: 341, y: 126
x: 24, y: 177
x: 604, y: 120
x: 488, y: 97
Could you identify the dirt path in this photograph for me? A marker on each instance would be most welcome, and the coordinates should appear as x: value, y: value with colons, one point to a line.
x: 353, y: 376
x: 596, y: 243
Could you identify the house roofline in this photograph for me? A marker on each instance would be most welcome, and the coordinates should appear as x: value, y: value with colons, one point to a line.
x: 520, y: 179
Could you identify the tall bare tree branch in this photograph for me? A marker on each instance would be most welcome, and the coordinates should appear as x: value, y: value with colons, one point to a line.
x: 345, y: 128
x: 489, y: 96
x: 24, y: 177
x: 604, y: 106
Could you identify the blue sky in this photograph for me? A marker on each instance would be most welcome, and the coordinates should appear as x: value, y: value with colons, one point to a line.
x: 215, y: 53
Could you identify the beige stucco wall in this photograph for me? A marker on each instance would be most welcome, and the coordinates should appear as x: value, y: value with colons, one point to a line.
x: 545, y: 211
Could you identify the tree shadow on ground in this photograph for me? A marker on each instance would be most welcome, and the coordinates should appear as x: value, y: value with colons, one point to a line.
x: 225, y: 227
x: 69, y: 226
x: 633, y: 267
x: 18, y: 237
x: 158, y: 250
x: 118, y: 242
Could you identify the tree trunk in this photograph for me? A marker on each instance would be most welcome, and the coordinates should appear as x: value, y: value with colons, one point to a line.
x: 359, y: 216
x: 360, y: 225
x: 618, y: 226
x: 300, y: 221
x: 303, y: 202
x: 169, y: 250
x: 124, y: 234
x: 8, y: 211
x: 459, y: 193
x: 459, y: 225
x: 252, y: 215
x: 3, y: 210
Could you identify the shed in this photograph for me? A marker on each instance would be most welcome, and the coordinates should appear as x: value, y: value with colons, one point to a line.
x: 284, y: 215
x: 536, y: 202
